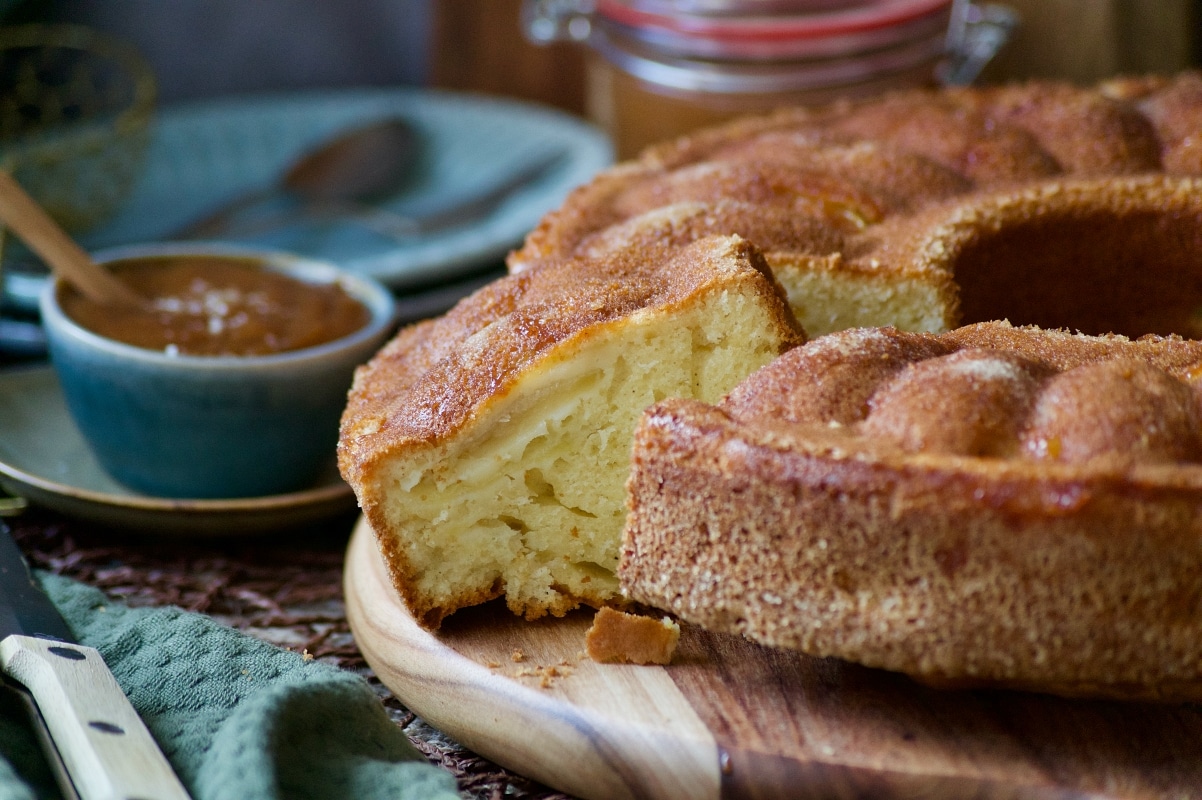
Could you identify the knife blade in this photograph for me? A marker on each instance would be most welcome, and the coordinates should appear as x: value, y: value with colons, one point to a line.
x: 22, y: 698
x: 103, y: 743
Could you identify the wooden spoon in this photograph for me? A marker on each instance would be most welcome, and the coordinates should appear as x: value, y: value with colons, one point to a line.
x: 42, y: 235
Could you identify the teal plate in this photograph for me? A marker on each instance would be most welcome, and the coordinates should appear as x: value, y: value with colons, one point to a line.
x: 44, y: 459
x: 203, y: 154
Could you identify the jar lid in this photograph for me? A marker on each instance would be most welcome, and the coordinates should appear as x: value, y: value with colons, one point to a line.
x: 731, y: 78
x: 765, y: 29
x: 743, y: 7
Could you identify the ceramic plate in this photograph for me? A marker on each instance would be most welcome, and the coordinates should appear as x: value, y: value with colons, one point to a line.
x: 202, y: 154
x: 44, y: 459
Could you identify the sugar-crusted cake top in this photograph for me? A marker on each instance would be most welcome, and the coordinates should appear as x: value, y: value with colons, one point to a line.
x: 428, y: 381
x: 991, y: 390
x: 870, y: 160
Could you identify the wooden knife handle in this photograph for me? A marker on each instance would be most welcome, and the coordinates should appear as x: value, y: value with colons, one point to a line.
x: 108, y: 752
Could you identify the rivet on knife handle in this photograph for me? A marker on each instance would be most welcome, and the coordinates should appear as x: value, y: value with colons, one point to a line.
x: 106, y: 748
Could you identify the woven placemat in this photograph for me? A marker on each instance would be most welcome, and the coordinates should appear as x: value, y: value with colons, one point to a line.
x: 285, y: 588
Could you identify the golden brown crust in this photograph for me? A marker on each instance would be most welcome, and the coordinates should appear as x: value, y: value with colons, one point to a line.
x: 993, y: 505
x: 804, y: 230
x: 1174, y: 108
x: 1086, y: 132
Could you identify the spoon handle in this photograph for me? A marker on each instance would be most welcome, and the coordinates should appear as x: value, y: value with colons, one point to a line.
x: 43, y: 236
x: 471, y: 207
x: 219, y: 221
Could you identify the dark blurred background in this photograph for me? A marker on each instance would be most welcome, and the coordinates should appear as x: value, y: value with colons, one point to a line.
x: 209, y: 47
x: 201, y: 48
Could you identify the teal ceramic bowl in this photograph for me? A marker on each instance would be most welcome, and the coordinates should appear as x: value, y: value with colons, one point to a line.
x: 213, y: 426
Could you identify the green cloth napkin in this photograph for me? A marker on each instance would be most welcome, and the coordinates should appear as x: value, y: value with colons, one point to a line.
x: 236, y: 717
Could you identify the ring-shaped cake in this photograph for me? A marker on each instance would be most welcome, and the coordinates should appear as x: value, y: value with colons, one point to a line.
x: 490, y: 448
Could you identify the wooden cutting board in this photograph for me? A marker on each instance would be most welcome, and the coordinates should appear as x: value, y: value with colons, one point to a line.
x: 732, y: 719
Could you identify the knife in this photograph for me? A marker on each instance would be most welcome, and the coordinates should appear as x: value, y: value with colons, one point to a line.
x: 103, y: 744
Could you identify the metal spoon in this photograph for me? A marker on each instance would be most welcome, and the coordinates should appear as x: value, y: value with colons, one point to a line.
x: 30, y: 222
x: 357, y: 164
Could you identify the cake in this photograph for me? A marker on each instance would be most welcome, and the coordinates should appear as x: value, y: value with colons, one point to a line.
x: 990, y: 506
x: 489, y: 448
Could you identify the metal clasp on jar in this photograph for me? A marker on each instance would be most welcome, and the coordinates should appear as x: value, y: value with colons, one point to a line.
x: 547, y: 21
x: 975, y: 34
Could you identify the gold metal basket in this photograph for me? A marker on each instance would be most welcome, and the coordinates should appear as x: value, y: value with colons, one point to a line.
x: 75, y: 113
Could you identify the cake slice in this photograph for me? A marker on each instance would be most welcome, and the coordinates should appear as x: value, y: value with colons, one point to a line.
x: 489, y: 448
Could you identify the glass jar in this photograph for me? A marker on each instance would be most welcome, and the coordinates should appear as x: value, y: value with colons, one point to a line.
x: 660, y: 68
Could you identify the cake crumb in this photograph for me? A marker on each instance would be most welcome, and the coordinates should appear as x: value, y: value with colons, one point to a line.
x: 517, y: 656
x: 620, y: 638
x: 545, y: 674
x: 306, y: 655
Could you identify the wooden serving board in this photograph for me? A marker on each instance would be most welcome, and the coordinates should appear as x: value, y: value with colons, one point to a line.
x: 732, y: 719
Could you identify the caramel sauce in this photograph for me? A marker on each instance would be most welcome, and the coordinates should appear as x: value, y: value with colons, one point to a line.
x: 206, y: 305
